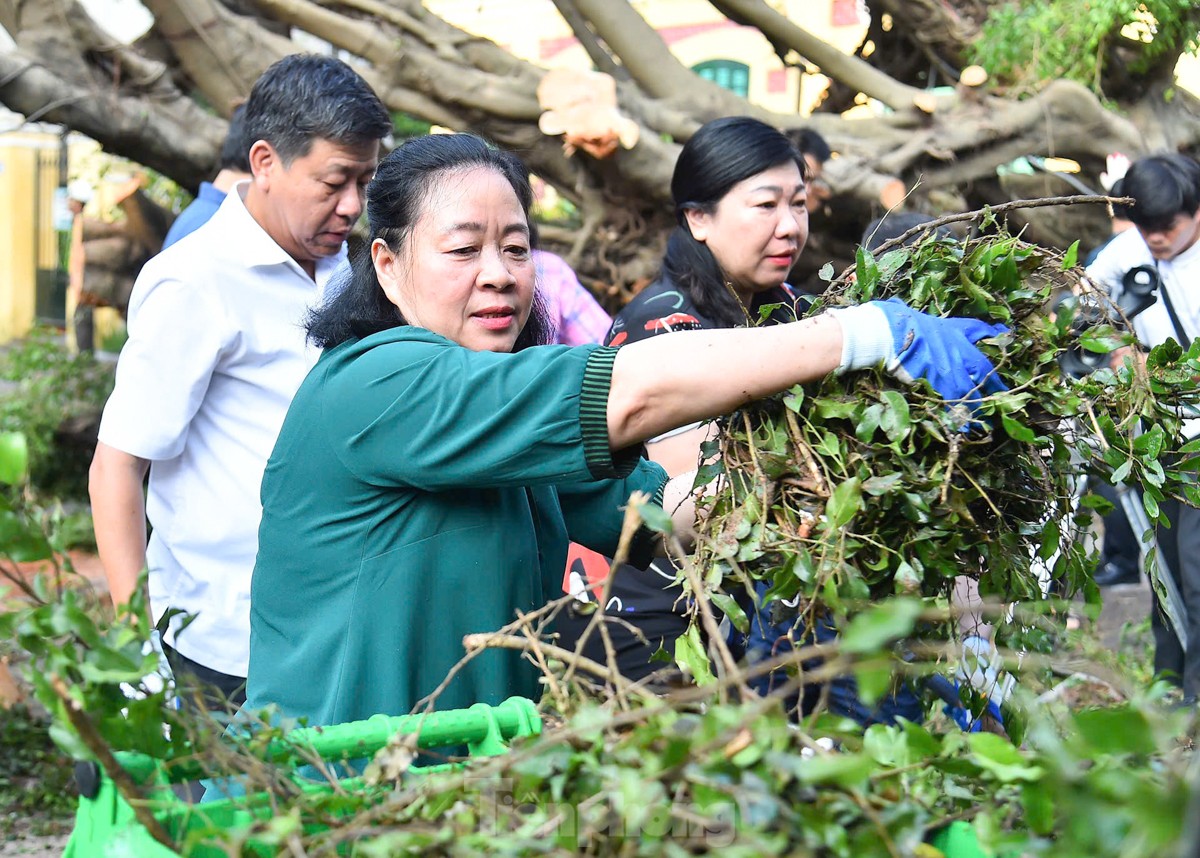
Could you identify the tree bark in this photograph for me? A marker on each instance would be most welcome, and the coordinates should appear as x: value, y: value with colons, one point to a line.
x: 140, y: 102
x: 851, y: 70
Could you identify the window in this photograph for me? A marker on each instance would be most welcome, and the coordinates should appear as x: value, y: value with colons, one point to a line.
x: 727, y: 74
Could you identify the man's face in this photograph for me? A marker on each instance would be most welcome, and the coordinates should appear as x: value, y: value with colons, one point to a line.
x: 1167, y: 242
x: 311, y: 204
x: 818, y: 189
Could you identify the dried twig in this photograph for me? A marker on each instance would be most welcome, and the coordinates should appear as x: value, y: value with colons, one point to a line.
x: 120, y: 778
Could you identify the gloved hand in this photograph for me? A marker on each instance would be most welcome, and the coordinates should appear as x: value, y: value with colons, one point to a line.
x: 1116, y: 165
x: 968, y: 723
x: 912, y: 345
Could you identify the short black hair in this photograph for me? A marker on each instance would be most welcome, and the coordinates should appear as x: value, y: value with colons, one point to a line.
x: 1162, y: 186
x: 403, y: 184
x: 235, y: 151
x: 307, y: 97
x: 810, y: 142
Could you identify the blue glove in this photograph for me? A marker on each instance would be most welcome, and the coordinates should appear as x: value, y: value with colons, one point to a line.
x: 912, y: 345
x: 967, y: 722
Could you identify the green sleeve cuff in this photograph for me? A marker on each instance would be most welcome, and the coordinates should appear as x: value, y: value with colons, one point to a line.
x: 602, y: 462
x: 643, y: 548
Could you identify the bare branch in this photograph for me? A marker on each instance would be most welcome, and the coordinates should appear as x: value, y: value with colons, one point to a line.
x: 600, y: 58
x: 222, y: 53
x: 847, y: 69
x: 174, y: 137
x: 651, y: 63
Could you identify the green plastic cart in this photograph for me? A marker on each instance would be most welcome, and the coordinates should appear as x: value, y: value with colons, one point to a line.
x: 106, y: 826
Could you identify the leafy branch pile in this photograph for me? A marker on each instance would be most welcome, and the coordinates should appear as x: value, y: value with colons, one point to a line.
x: 856, y: 488
x: 840, y: 493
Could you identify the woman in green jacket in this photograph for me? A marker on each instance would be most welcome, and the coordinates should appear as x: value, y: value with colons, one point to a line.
x: 433, y: 465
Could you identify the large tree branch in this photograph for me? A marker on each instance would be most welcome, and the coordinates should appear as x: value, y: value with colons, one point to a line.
x: 658, y: 72
x: 943, y: 31
x: 174, y: 137
x: 847, y: 69
x: 596, y: 52
x: 222, y: 53
x: 503, y: 108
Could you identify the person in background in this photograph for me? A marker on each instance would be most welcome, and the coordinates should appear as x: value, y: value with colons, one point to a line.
x: 81, y: 313
x: 233, y: 167
x: 436, y: 461
x: 215, y: 353
x: 745, y: 180
x: 741, y: 205
x: 815, y: 150
x: 1166, y: 242
x: 577, y: 318
x: 1120, y: 547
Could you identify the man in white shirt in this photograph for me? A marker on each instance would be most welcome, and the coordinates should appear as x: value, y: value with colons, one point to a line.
x: 216, y: 351
x: 1165, y: 245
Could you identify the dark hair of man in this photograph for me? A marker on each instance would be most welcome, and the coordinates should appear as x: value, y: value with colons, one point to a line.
x: 235, y: 151
x: 810, y: 142
x: 404, y: 183
x: 718, y: 156
x: 307, y: 97
x: 1162, y: 187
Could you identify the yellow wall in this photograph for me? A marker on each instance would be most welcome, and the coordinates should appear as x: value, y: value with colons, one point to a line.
x: 27, y: 237
x: 693, y: 29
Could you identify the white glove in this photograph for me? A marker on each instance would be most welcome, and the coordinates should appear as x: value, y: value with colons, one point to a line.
x: 982, y: 668
x: 1115, y: 166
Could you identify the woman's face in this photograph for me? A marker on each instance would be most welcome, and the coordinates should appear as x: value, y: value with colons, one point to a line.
x: 465, y: 271
x: 758, y: 228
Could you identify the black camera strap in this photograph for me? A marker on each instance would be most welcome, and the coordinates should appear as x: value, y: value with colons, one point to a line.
x: 1180, y: 332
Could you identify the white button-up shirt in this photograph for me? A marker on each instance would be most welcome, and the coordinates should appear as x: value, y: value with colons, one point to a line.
x: 1180, y: 277
x: 216, y: 351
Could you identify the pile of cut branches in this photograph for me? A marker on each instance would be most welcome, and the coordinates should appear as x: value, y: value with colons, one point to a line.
x: 857, y: 487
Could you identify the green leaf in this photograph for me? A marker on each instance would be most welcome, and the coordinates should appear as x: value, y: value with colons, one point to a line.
x: 691, y: 656
x: 1119, y: 730
x: 866, y: 272
x: 1016, y: 430
x: 868, y: 422
x: 656, y: 518
x: 874, y: 681
x: 844, y: 770
x: 14, y: 457
x: 1038, y: 801
x: 844, y: 503
x: 897, y: 419
x: 882, y: 485
x: 19, y: 541
x: 1121, y: 474
x: 728, y: 605
x: 1071, y: 258
x: 1150, y: 443
x: 880, y: 625
x: 998, y: 756
x: 1150, y: 504
x: 829, y: 446
x: 1051, y: 536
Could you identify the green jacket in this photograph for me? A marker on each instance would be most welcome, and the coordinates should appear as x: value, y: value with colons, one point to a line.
x: 419, y: 492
